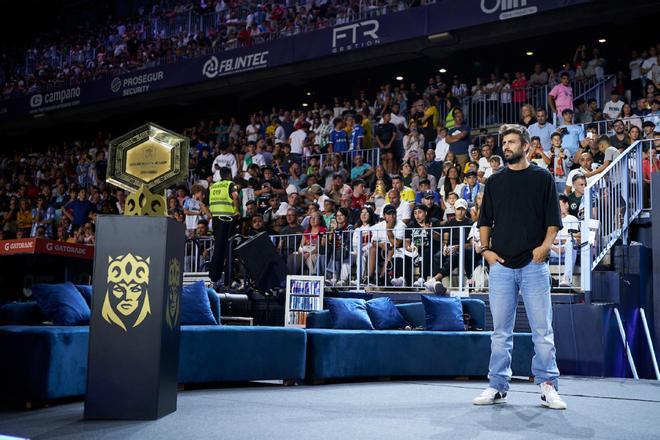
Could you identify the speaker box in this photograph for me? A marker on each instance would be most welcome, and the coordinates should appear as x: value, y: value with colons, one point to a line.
x: 262, y: 262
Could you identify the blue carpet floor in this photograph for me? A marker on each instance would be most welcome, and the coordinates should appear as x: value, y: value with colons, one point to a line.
x: 416, y: 409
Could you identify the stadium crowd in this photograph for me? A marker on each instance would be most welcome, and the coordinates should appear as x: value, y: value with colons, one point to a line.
x: 340, y: 166
x: 168, y: 31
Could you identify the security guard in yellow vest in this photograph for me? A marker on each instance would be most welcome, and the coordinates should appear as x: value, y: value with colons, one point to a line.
x: 224, y: 206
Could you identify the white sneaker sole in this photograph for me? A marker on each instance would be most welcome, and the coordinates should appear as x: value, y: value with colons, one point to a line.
x: 490, y: 402
x: 547, y: 405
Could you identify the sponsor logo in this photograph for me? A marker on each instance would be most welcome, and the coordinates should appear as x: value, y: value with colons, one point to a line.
x: 135, y: 84
x: 36, y: 100
x: 507, y: 8
x: 56, y: 100
x: 213, y: 67
x: 126, y: 302
x: 19, y: 245
x: 115, y: 85
x: 355, y: 36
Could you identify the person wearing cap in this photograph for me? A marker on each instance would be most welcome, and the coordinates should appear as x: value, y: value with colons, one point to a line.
x: 648, y: 128
x: 560, y: 97
x: 435, y: 210
x: 386, y: 236
x: 518, y: 225
x: 451, y: 245
x: 654, y: 114
x: 572, y: 135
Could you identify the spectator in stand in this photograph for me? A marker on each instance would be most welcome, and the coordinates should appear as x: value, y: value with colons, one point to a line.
x: 385, y: 137
x: 542, y: 128
x: 527, y: 115
x: 647, y: 68
x: 459, y: 138
x: 560, y: 97
x: 586, y: 166
x: 78, y: 210
x: 609, y: 154
x: 537, y: 155
x: 612, y: 109
x: 519, y: 87
x: 413, y: 145
x: 572, y: 135
x: 619, y: 139
x: 297, y: 141
x: 562, y: 250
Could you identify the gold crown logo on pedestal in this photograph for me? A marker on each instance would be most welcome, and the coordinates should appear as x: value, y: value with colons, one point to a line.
x: 144, y: 202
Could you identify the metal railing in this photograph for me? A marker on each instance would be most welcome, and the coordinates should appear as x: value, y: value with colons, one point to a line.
x: 406, y: 258
x: 369, y: 156
x: 500, y: 107
x: 610, y: 204
x: 197, y: 254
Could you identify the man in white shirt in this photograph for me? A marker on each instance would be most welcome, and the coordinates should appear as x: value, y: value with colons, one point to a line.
x: 297, y: 141
x: 647, y: 66
x: 252, y: 130
x: 635, y: 66
x: 586, y: 165
x: 225, y: 159
x: 386, y: 236
x: 613, y: 107
x: 441, y: 145
x: 542, y: 128
x: 562, y: 251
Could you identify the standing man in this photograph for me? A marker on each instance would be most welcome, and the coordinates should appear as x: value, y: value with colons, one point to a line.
x: 542, y: 128
x: 224, y: 207
x: 519, y: 221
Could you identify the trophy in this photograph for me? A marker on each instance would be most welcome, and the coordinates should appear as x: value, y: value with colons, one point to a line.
x: 146, y: 161
x: 135, y: 321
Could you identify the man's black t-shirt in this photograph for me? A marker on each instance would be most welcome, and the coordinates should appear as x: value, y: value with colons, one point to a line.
x: 575, y: 206
x: 455, y: 233
x: 519, y: 206
x: 421, y: 237
x: 384, y: 132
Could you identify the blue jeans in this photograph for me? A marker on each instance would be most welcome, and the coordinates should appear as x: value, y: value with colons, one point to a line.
x: 533, y: 282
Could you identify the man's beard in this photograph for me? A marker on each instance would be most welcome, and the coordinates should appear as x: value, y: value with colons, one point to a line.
x: 515, y: 157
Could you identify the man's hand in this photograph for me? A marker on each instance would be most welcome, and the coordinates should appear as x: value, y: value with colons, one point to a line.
x: 492, y: 257
x: 540, y: 254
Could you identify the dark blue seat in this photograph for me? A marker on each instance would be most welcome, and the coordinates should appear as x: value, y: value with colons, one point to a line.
x: 343, y: 354
x: 45, y: 362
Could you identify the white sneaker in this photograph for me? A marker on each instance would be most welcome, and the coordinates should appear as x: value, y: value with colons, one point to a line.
x: 419, y: 282
x: 564, y: 281
x: 550, y: 397
x: 489, y: 396
x: 398, y: 282
x: 430, y: 285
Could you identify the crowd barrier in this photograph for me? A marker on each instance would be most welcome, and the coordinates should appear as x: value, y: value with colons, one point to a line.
x: 389, y: 259
x: 370, y: 156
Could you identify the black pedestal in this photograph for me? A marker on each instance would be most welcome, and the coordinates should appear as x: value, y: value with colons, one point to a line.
x: 134, y: 328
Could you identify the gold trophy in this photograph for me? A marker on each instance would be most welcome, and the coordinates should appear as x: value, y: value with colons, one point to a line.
x: 146, y: 161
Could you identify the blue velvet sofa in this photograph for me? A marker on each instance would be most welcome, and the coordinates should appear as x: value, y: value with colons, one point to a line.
x: 343, y: 354
x: 45, y: 362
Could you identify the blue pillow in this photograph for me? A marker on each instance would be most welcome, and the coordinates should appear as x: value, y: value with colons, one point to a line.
x: 195, y: 305
x: 62, y: 304
x: 86, y: 291
x: 349, y: 313
x: 384, y: 315
x: 443, y: 313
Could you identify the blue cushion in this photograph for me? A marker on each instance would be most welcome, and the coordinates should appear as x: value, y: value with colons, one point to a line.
x: 61, y: 303
x: 443, y: 313
x: 86, y: 291
x: 384, y: 315
x: 349, y: 313
x: 195, y: 305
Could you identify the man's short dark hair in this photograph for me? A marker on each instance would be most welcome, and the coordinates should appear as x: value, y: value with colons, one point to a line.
x: 564, y: 198
x: 578, y: 177
x: 535, y: 138
x: 590, y: 100
x: 540, y: 109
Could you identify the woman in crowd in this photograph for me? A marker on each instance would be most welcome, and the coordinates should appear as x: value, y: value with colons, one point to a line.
x: 339, y: 256
x: 452, y: 182
x: 406, y: 174
x: 629, y: 118
x: 362, y: 237
x: 313, y: 241
x: 527, y: 117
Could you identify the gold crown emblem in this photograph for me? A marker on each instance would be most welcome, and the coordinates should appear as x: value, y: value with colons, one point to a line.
x: 174, y: 274
x: 128, y: 269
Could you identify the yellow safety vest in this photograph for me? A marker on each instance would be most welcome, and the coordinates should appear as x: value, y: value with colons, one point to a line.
x: 220, y: 202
